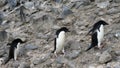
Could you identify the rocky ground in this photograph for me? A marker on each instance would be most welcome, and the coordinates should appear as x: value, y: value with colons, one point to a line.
x: 36, y: 21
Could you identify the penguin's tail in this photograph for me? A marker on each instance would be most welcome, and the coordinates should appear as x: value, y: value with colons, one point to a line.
x: 53, y: 51
x: 91, y: 46
x: 7, y: 60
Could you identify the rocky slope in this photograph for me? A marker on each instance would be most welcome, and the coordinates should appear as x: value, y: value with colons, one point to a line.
x: 36, y: 21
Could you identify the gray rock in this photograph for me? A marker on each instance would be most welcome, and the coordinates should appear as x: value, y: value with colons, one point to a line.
x: 105, y: 57
x: 29, y: 5
x: 2, y: 52
x: 3, y: 36
x: 113, y: 65
x: 2, y: 2
x: 103, y: 4
x: 116, y: 1
x: 113, y: 11
x: 72, y: 45
x: 73, y: 54
x: 12, y: 3
x: 31, y: 47
x: 40, y: 60
x: 117, y: 35
x: 117, y: 53
x: 24, y: 65
x: 58, y: 1
x: 66, y: 11
x: 1, y: 18
x: 63, y: 60
x: 72, y: 49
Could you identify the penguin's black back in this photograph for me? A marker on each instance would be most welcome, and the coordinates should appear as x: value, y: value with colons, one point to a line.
x: 94, y: 41
x: 54, y: 45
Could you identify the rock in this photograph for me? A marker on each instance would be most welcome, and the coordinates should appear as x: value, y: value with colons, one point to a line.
x: 72, y: 49
x: 116, y: 1
x: 105, y: 57
x: 31, y: 47
x: 100, y: 66
x: 12, y: 3
x: 2, y: 52
x: 113, y: 11
x: 72, y: 55
x: 62, y: 60
x: 1, y: 61
x: 29, y: 5
x: 3, y: 36
x: 66, y: 11
x: 103, y: 4
x: 72, y: 45
x: 39, y: 60
x: 58, y: 1
x: 117, y: 35
x: 2, y: 3
x: 92, y: 66
x: 24, y: 65
x: 113, y: 65
x: 117, y: 53
x: 1, y: 17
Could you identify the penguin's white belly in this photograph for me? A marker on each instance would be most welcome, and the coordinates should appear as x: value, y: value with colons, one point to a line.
x: 60, y: 42
x: 16, y: 51
x: 100, y: 35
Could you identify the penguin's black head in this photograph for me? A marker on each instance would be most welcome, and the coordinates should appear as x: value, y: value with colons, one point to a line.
x: 64, y: 29
x: 16, y: 41
x: 102, y: 22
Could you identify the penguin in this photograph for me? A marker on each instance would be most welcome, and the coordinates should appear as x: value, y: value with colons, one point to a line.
x: 60, y: 40
x: 14, y: 49
x: 97, y: 34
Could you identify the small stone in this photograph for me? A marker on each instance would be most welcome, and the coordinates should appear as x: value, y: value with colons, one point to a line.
x: 105, y: 57
x: 2, y: 2
x: 113, y: 11
x: 1, y: 17
x: 103, y: 4
x: 62, y: 60
x: 3, y: 36
x: 117, y: 35
x: 72, y: 55
x: 24, y: 65
x: 100, y: 66
x: 12, y: 3
x: 58, y: 1
x: 31, y: 47
x: 29, y: 5
x: 117, y: 53
x: 116, y: 1
x: 66, y: 11
x: 2, y: 52
x: 39, y: 60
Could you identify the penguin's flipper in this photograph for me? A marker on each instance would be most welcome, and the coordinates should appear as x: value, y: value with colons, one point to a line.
x: 54, y: 46
x: 89, y: 32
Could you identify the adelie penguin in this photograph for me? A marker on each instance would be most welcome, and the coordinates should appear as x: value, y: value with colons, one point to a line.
x: 14, y: 49
x: 97, y: 34
x: 59, y: 40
